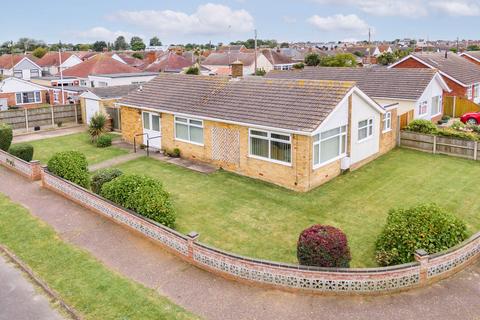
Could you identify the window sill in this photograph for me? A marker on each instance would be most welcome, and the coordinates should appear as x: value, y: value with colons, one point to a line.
x: 387, y: 131
x: 365, y: 140
x: 287, y: 164
x: 190, y: 142
x: 321, y: 165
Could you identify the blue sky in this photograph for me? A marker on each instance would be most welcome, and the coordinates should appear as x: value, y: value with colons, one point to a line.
x: 197, y: 21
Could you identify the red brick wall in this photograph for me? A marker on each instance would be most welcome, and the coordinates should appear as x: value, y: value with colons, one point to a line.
x: 12, y: 101
x: 410, y: 63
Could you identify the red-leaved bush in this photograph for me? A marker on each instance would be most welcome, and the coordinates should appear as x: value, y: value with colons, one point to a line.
x: 323, y: 246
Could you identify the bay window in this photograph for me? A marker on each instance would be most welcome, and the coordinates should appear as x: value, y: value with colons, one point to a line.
x: 269, y: 145
x: 365, y: 129
x: 28, y: 97
x: 329, y: 145
x: 189, y: 130
x: 387, y: 122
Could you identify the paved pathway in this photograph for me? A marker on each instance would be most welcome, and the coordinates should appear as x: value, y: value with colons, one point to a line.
x: 114, y: 161
x: 216, y: 298
x: 18, y: 297
x: 47, y: 134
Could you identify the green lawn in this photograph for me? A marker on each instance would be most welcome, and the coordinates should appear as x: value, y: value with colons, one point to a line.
x: 82, y: 281
x: 46, y: 148
x: 260, y: 220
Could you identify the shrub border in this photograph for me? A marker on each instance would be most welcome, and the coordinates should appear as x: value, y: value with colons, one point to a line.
x: 289, y: 277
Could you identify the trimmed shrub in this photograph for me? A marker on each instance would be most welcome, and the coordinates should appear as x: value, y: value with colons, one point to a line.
x: 425, y: 226
x: 6, y: 136
x: 323, y: 246
x: 422, y: 126
x: 143, y: 195
x: 104, y: 141
x: 458, y: 125
x: 72, y: 166
x: 448, y: 132
x: 23, y: 151
x: 299, y: 65
x: 103, y: 176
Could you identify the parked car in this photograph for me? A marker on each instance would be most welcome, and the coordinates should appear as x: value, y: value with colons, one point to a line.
x: 471, y: 118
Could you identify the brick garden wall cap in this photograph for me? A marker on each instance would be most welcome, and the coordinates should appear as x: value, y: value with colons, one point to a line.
x: 193, y: 235
x: 421, y: 252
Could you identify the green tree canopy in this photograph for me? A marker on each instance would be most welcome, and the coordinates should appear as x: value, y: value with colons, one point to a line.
x: 137, y: 44
x: 155, y: 41
x: 99, y: 46
x: 39, y: 52
x: 339, y: 60
x: 312, y: 59
x: 386, y: 58
x: 120, y: 43
x: 473, y: 47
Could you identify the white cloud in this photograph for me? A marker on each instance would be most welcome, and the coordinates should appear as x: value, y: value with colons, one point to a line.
x: 405, y: 8
x: 100, y: 33
x: 457, y: 8
x: 342, y: 23
x: 208, y: 19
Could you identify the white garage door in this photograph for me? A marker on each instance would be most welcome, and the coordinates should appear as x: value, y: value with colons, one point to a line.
x: 91, y: 107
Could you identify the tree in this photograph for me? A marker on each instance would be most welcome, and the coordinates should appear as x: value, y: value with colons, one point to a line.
x: 284, y: 45
x: 138, y: 55
x: 473, y: 47
x: 312, y: 59
x: 137, y: 44
x: 386, y: 58
x: 155, y: 41
x: 28, y: 44
x: 39, y: 52
x: 195, y: 70
x: 120, y: 43
x: 339, y: 60
x: 82, y: 47
x: 99, y: 46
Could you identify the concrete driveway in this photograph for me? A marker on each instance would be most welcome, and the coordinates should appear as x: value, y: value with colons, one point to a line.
x: 19, y: 299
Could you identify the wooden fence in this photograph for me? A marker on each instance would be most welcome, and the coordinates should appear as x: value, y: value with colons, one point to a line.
x: 440, y: 145
x: 458, y: 106
x: 28, y: 118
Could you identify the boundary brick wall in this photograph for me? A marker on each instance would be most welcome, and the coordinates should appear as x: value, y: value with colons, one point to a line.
x: 427, y: 268
x: 31, y: 170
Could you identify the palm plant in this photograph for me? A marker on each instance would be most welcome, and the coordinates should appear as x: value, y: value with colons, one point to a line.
x: 97, y: 126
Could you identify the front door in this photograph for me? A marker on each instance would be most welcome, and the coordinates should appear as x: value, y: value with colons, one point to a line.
x: 152, y: 129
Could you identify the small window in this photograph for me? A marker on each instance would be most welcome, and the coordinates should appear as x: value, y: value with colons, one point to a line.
x: 190, y: 130
x: 436, y: 105
x: 365, y: 129
x: 146, y: 120
x: 387, y: 122
x: 422, y: 108
x: 469, y: 93
x: 272, y: 146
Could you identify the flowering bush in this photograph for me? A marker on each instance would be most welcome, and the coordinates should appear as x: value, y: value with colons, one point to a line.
x: 323, y: 246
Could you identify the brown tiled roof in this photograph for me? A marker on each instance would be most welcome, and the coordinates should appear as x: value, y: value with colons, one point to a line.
x: 99, y: 64
x: 52, y: 59
x: 376, y: 82
x: 276, y: 57
x: 7, y: 61
x: 456, y: 67
x: 169, y: 62
x: 296, y: 105
x: 225, y: 59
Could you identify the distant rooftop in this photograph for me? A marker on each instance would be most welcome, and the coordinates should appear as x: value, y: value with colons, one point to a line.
x: 124, y: 75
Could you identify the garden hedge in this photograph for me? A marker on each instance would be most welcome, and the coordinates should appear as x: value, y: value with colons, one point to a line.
x: 103, y: 176
x: 323, y: 246
x: 426, y: 226
x: 6, y: 136
x: 142, y: 194
x: 72, y: 166
x: 23, y: 151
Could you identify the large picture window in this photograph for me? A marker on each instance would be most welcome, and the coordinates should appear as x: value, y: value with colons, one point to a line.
x: 190, y: 130
x: 28, y: 97
x: 329, y: 145
x: 269, y: 145
x: 365, y: 129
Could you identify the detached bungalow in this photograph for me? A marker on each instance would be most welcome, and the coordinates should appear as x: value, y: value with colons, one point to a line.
x: 15, y: 92
x: 461, y: 75
x: 417, y: 92
x: 53, y: 62
x: 294, y: 133
x: 19, y: 66
x: 220, y: 61
x: 472, y: 56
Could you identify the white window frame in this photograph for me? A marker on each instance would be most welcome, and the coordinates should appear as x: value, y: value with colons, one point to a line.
x: 421, y: 105
x: 55, y: 96
x: 341, y: 154
x: 189, y: 124
x: 37, y: 97
x: 369, y: 127
x: 470, y: 93
x: 387, y: 119
x: 476, y: 90
x: 270, y: 139
x: 438, y: 106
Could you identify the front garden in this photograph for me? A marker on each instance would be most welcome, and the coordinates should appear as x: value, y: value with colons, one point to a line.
x: 259, y: 220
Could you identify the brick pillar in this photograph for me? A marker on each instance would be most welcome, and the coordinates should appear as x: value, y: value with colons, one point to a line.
x: 192, y: 238
x: 36, y: 170
x: 423, y: 258
x: 42, y: 175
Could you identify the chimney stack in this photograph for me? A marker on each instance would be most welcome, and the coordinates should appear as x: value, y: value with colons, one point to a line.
x: 237, y: 69
x: 446, y: 54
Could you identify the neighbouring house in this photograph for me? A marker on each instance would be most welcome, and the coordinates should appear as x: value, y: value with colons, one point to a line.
x: 169, y: 62
x: 381, y: 49
x: 417, y: 92
x: 16, y: 92
x: 97, y: 65
x: 53, y: 62
x: 103, y: 100
x: 120, y: 79
x: 19, y: 66
x: 57, y: 81
x: 294, y: 133
x: 278, y: 60
x: 461, y: 75
x: 218, y: 61
x: 472, y: 56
